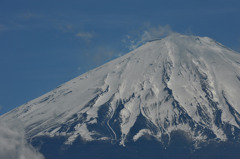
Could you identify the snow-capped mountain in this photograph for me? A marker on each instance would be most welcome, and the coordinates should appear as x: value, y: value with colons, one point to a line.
x: 185, y: 83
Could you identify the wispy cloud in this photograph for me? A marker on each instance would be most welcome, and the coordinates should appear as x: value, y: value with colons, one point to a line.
x: 189, y: 31
x: 67, y: 28
x: 85, y: 35
x: 23, y: 21
x: 28, y: 16
x: 13, y: 144
x: 75, y: 31
x: 147, y: 33
x: 3, y: 27
x: 238, y: 47
x: 102, y: 55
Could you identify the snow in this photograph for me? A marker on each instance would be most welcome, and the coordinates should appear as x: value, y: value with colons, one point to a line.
x: 190, y: 71
x: 141, y: 133
x: 80, y: 129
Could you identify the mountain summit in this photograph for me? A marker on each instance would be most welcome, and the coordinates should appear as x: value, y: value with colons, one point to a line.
x: 179, y: 83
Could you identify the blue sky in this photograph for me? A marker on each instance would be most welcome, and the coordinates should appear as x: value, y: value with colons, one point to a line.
x: 46, y: 43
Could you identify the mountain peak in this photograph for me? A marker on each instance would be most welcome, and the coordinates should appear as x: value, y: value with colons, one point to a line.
x: 180, y: 82
x: 185, y: 40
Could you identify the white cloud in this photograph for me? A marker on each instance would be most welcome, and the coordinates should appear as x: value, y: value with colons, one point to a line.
x: 146, y: 34
x: 13, y: 144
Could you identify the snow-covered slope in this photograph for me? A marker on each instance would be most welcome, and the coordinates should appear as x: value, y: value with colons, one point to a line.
x: 181, y: 82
